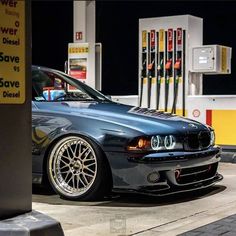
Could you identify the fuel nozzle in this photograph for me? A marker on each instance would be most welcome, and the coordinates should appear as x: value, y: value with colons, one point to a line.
x: 168, y: 67
x: 150, y: 66
x: 160, y: 67
x: 151, y: 69
x: 168, y: 64
x: 143, y: 70
x: 177, y: 65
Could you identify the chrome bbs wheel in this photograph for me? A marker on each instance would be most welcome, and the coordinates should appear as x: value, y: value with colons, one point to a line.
x: 73, y: 167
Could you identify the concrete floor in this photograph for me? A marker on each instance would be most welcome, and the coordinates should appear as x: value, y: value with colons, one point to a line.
x: 144, y: 216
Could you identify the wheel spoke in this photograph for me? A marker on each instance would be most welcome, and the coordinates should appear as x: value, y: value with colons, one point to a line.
x: 63, y: 167
x: 70, y: 179
x: 88, y: 169
x: 82, y: 182
x: 81, y: 154
x: 68, y: 153
x: 86, y: 155
x: 67, y: 176
x: 89, y: 175
x: 71, y: 150
x: 90, y: 159
x: 66, y: 164
x: 90, y: 165
x: 73, y: 181
x: 85, y: 178
x: 76, y: 146
x: 67, y: 158
x: 80, y: 145
x: 77, y: 179
x: 65, y: 172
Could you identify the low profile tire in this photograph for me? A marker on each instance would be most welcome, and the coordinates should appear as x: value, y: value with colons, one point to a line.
x: 77, y: 169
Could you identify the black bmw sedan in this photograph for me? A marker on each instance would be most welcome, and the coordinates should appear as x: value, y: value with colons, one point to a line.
x: 86, y: 145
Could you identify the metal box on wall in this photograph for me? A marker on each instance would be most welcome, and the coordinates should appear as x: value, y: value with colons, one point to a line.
x: 211, y: 59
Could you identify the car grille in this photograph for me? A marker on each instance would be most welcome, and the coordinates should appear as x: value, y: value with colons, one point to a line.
x: 197, y: 141
x: 195, y: 174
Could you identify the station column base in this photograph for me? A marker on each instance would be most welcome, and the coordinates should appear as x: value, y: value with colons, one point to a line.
x: 31, y: 224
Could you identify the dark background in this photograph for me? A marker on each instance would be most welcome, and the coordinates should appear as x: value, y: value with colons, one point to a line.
x: 117, y: 30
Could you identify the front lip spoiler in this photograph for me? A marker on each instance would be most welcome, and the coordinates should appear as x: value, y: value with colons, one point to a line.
x: 174, y: 189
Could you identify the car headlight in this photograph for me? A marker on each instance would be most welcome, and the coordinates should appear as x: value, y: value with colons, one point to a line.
x: 139, y: 144
x: 154, y: 143
x: 212, y: 142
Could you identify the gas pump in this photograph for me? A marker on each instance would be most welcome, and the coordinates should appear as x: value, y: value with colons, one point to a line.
x: 168, y: 89
x: 151, y: 68
x: 160, y: 67
x: 144, y: 66
x: 149, y: 71
x: 168, y: 65
x: 159, y: 81
x: 181, y: 60
x: 177, y: 65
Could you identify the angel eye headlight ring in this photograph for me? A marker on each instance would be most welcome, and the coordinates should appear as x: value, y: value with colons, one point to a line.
x: 169, y: 142
x: 156, y: 142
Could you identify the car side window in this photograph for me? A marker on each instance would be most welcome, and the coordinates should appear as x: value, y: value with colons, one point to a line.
x: 46, y: 86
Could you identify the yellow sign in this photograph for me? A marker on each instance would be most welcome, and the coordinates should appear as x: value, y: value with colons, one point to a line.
x: 78, y: 50
x: 223, y: 123
x: 224, y: 59
x: 12, y: 52
x: 161, y: 40
x: 144, y: 39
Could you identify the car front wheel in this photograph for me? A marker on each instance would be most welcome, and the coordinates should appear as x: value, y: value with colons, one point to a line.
x: 77, y: 169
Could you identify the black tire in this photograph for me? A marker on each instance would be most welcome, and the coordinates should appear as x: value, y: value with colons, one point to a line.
x: 78, y: 170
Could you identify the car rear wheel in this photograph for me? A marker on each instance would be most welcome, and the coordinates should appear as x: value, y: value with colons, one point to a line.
x: 77, y: 169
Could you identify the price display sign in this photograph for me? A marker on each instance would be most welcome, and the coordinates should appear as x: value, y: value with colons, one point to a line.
x: 12, y: 51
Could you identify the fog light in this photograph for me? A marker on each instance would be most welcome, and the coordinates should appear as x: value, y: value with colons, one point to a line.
x: 153, y: 177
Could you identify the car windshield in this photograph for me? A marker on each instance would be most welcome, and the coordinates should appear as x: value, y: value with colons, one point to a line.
x: 51, y: 86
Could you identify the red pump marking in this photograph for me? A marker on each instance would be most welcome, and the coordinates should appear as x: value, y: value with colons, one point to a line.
x: 152, y: 38
x: 170, y: 40
x: 209, y: 117
x: 179, y: 39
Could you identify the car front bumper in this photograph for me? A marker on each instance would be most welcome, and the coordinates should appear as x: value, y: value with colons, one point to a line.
x: 174, y: 171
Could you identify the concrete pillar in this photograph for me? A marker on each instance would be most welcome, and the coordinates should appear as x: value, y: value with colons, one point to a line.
x: 16, y: 215
x: 80, y: 21
x: 84, y: 32
x: 15, y: 110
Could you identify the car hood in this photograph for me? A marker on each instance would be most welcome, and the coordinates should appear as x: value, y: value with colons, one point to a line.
x: 141, y: 119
